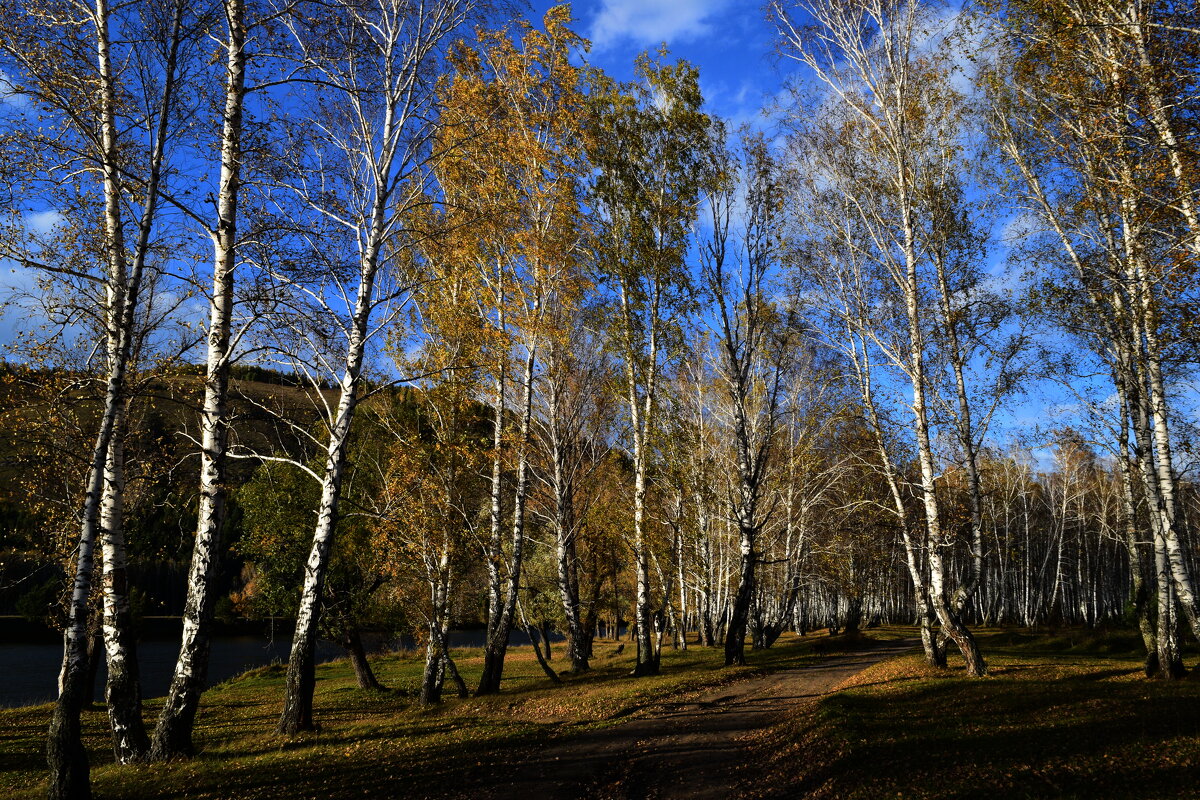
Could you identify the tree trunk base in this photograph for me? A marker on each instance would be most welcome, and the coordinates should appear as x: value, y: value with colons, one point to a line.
x: 358, y: 659
x: 173, y: 733
x: 65, y: 753
x: 645, y: 669
x: 297, y: 704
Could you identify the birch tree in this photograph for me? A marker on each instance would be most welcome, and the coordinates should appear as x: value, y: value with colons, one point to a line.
x: 513, y: 167
x: 357, y: 171
x: 738, y: 266
x: 173, y: 732
x: 1074, y: 123
x: 435, y: 494
x: 647, y: 146
x: 814, y: 464
x: 894, y: 103
x: 82, y: 65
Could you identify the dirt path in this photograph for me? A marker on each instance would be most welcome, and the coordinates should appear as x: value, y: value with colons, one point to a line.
x: 693, y: 750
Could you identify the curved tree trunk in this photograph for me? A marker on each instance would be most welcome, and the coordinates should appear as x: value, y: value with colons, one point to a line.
x: 950, y: 621
x: 537, y: 639
x: 301, y: 673
x: 966, y: 434
x: 935, y: 653
x: 363, y: 674
x: 173, y: 731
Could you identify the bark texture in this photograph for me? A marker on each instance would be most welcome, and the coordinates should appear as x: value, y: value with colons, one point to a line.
x: 173, y: 731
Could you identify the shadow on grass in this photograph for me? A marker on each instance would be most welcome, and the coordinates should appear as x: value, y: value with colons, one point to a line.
x: 374, y: 744
x: 1060, y: 728
x: 367, y: 770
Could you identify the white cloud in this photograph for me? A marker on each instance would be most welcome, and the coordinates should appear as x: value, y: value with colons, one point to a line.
x: 1020, y: 226
x: 20, y: 312
x: 738, y: 105
x: 43, y: 222
x: 8, y: 96
x: 647, y: 22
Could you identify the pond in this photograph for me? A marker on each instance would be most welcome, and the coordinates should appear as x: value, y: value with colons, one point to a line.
x: 32, y: 667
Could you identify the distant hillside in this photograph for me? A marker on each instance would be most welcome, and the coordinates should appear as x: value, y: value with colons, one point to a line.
x: 46, y: 429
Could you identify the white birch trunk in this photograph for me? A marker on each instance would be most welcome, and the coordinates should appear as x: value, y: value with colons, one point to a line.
x: 951, y: 625
x: 122, y: 691
x: 297, y: 704
x: 642, y: 418
x: 65, y: 752
x: 1163, y: 126
x: 934, y: 654
x: 1163, y: 460
x: 385, y: 99
x: 497, y: 645
x: 173, y: 731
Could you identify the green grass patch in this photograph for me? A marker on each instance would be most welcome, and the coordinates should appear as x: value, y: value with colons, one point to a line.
x: 1067, y: 715
x: 382, y: 744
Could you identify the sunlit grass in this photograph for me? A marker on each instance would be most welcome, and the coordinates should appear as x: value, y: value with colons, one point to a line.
x: 1062, y: 715
x: 373, y: 744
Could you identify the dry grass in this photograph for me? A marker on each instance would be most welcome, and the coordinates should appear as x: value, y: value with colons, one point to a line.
x: 377, y: 744
x: 1059, y: 716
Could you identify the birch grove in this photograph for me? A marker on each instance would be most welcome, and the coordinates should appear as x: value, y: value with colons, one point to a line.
x: 645, y: 213
x: 1114, y: 253
x: 512, y: 172
x: 398, y: 323
x: 866, y: 54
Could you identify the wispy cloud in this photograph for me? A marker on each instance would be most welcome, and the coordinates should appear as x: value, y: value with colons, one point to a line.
x: 647, y: 22
x: 9, y: 95
x: 43, y: 222
x: 16, y: 286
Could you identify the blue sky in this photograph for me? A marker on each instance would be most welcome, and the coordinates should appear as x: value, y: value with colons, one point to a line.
x: 733, y: 45
x: 729, y: 40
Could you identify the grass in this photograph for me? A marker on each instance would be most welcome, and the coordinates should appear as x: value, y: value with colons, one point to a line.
x: 371, y: 744
x: 1065, y: 715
